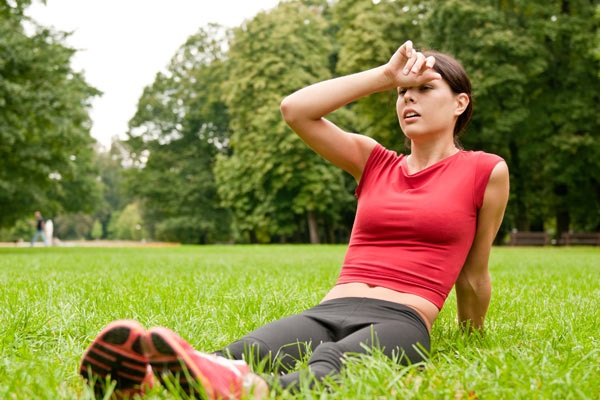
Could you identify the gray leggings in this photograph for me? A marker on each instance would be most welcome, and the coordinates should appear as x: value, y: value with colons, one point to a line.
x: 330, y: 330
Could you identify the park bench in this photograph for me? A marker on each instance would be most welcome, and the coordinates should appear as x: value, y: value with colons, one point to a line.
x: 577, y: 239
x: 529, y: 239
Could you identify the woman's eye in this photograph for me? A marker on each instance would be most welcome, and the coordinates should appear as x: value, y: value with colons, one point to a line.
x: 401, y: 92
x: 425, y: 88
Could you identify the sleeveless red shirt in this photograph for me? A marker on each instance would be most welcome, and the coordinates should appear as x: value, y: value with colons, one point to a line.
x: 412, y: 233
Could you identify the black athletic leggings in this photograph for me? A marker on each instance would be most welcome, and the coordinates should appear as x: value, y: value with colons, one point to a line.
x: 330, y: 330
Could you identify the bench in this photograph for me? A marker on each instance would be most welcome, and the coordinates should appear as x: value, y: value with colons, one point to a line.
x: 579, y: 239
x: 529, y: 239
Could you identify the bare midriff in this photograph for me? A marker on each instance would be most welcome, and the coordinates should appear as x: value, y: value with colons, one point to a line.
x: 426, y: 309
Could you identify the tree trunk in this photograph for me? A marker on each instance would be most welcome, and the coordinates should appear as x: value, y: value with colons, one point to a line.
x: 253, y: 238
x: 521, y: 220
x: 563, y: 219
x: 312, y: 228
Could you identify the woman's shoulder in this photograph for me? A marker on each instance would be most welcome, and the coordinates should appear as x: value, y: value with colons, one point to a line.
x: 481, y: 160
x: 480, y: 154
x: 382, y: 152
x: 482, y: 164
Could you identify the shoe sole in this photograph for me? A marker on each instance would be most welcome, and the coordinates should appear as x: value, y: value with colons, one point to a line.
x: 170, y: 360
x: 116, y: 353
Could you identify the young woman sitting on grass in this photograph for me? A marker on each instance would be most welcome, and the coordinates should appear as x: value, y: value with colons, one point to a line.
x: 424, y: 222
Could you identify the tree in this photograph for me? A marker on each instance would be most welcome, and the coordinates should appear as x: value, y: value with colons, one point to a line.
x: 573, y: 172
x: 276, y: 187
x: 211, y: 125
x: 45, y: 144
x: 173, y: 139
x: 127, y: 224
x: 97, y: 231
x: 111, y: 180
x: 76, y: 226
x: 596, y: 49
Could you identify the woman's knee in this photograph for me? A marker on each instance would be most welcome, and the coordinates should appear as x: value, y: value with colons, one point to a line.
x: 326, y: 359
x: 404, y: 345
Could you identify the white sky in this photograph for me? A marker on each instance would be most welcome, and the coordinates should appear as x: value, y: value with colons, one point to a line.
x: 122, y: 44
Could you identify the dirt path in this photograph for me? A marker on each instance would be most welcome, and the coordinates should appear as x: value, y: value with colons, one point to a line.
x: 93, y: 243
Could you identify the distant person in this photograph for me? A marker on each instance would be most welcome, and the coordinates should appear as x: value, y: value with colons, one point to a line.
x: 40, y: 229
x: 425, y: 222
x: 49, y: 231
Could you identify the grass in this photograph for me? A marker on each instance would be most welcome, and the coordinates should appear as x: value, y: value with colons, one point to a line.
x: 542, y: 339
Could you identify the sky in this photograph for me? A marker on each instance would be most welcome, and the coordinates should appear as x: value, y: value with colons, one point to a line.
x: 122, y: 44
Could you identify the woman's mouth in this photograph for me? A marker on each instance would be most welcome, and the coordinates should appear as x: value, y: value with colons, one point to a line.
x: 409, y: 115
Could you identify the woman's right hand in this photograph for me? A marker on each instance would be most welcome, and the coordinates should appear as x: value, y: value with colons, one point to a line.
x: 409, y: 67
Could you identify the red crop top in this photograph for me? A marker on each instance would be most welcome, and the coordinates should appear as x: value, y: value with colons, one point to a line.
x: 412, y: 233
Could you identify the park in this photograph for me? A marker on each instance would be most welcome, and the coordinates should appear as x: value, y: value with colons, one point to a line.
x: 210, y: 216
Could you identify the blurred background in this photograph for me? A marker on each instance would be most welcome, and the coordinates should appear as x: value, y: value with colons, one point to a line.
x: 205, y: 157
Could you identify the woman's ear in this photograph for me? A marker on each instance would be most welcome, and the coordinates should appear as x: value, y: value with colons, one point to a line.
x: 462, y: 102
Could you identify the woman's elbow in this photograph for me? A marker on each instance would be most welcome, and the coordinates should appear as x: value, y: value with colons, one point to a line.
x: 288, y: 110
x: 474, y: 282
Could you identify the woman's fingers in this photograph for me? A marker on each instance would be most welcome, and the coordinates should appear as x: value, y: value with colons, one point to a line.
x: 430, y: 62
x: 418, y: 66
x: 401, y: 59
x: 408, y: 63
x: 418, y: 63
x: 408, y: 48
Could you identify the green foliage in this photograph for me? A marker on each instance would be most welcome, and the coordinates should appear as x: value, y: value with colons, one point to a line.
x: 210, y: 159
x: 96, y: 232
x: 596, y: 50
x: 111, y: 182
x: 127, y: 224
x: 77, y: 226
x: 520, y: 54
x: 45, y: 146
x: 22, y: 230
x: 173, y: 140
x: 271, y: 181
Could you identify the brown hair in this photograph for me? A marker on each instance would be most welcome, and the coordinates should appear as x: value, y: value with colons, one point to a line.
x: 455, y: 75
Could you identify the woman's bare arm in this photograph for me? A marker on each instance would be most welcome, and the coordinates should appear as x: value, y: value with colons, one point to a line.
x: 473, y: 287
x: 304, y: 110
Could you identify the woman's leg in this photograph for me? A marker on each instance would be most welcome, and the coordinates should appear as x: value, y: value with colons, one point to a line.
x: 400, y: 336
x: 279, y: 344
x: 399, y: 340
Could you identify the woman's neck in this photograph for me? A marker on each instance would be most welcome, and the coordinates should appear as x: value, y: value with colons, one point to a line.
x: 423, y: 156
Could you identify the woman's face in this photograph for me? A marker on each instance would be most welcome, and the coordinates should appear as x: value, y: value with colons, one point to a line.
x: 429, y: 110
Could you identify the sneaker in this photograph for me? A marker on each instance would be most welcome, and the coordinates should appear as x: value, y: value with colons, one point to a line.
x: 197, y: 373
x: 116, y: 356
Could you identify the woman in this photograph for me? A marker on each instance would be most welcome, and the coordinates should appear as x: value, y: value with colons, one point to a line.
x: 424, y: 223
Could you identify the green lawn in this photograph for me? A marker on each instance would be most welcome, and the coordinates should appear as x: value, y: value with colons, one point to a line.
x: 542, y: 339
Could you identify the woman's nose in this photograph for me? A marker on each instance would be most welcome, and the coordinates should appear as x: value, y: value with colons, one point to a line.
x: 408, y: 97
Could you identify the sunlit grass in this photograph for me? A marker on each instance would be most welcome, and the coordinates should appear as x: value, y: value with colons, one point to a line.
x: 542, y: 338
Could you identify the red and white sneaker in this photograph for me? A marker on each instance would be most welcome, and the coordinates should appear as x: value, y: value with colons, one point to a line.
x: 219, y: 378
x: 116, y: 355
